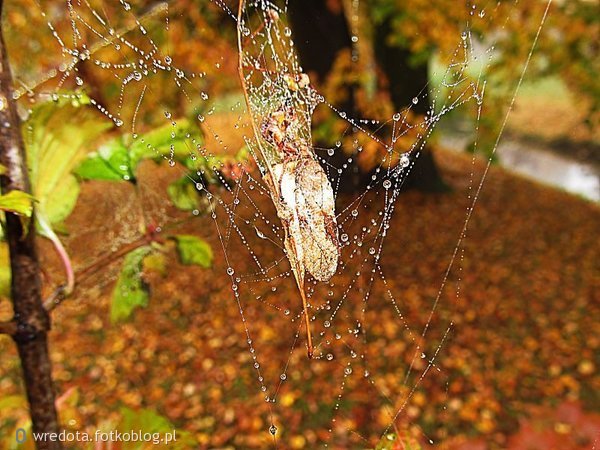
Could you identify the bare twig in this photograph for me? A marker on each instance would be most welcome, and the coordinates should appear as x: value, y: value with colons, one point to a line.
x: 59, y: 294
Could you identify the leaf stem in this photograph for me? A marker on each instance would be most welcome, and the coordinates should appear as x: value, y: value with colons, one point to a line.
x: 67, y: 264
x: 47, y: 231
x: 62, y: 292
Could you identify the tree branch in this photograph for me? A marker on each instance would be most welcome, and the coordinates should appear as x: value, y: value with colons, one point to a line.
x: 31, y: 321
x: 153, y: 234
x: 59, y: 293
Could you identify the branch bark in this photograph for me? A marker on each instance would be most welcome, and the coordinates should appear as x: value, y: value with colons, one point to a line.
x: 30, y: 318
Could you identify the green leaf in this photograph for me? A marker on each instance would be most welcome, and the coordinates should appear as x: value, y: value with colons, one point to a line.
x: 165, y: 142
x: 12, y: 402
x: 130, y: 291
x: 17, y: 202
x: 193, y: 250
x: 5, y: 274
x: 183, y: 194
x: 58, y: 136
x: 148, y: 421
x: 155, y: 262
x: 61, y: 202
x: 5, y: 277
x: 111, y: 163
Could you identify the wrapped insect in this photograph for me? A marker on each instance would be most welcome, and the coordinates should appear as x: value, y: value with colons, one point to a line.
x: 280, y: 101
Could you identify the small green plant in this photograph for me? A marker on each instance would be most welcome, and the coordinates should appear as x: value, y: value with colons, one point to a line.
x: 59, y: 135
x: 139, y: 429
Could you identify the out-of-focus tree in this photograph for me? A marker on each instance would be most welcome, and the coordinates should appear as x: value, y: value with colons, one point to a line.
x: 568, y: 46
x: 370, y: 57
x: 374, y: 56
x: 364, y: 76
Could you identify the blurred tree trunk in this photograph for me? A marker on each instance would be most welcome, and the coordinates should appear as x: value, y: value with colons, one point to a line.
x: 408, y: 79
x: 320, y: 32
x: 30, y: 318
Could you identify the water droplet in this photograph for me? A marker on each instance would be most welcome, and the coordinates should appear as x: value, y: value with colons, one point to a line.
x: 287, y: 31
x: 168, y: 60
x: 283, y: 376
x: 230, y: 271
x: 348, y: 370
x: 329, y: 357
x: 415, y: 100
x: 273, y: 429
x: 463, y: 35
x: 327, y: 324
x: 200, y: 117
x: 387, y: 184
x: 79, y: 81
x: 404, y: 161
x: 396, y: 117
x: 330, y: 151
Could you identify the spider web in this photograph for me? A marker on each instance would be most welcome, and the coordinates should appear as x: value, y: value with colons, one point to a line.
x: 375, y: 350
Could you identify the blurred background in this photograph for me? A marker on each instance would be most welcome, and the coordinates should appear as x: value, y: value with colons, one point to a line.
x: 127, y: 107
